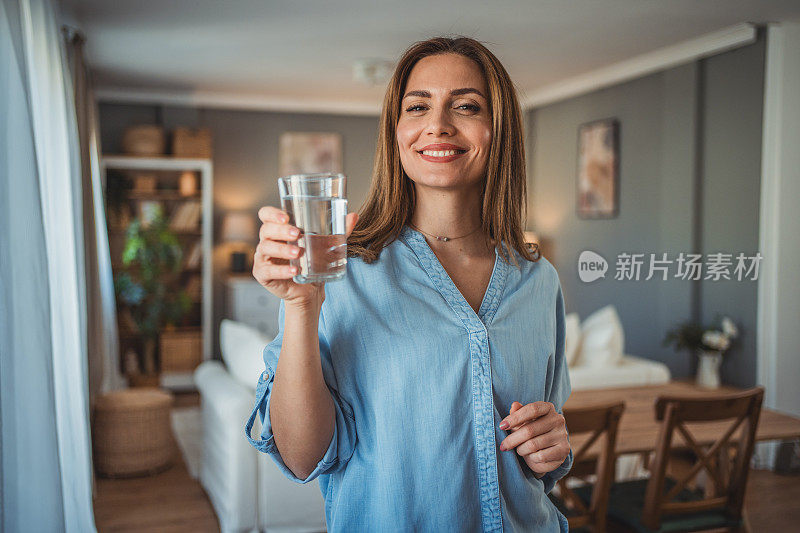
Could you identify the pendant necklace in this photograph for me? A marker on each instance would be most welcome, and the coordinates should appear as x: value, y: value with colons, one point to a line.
x: 442, y: 238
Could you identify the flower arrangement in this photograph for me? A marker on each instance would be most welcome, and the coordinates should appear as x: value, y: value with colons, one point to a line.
x: 695, y: 337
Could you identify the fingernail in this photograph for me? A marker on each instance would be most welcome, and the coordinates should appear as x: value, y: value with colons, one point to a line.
x: 502, y: 447
x: 294, y: 232
x: 503, y: 425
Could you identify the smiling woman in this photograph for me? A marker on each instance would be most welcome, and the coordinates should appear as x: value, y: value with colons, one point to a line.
x: 425, y: 388
x: 447, y: 95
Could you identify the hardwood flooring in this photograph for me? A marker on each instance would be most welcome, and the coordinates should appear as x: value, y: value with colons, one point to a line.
x: 771, y: 503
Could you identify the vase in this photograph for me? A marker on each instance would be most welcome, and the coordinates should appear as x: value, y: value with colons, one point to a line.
x: 708, y: 369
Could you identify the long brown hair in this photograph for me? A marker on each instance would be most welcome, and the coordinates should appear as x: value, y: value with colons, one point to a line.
x: 390, y: 201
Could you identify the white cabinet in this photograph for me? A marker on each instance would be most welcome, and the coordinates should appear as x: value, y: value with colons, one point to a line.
x: 248, y: 302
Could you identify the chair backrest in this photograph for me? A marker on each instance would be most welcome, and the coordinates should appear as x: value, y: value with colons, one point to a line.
x: 601, y: 422
x: 728, y: 474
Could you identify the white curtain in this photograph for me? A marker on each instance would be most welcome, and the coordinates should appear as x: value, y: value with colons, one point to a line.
x: 46, y: 450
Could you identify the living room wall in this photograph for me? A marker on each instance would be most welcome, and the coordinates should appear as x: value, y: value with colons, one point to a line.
x: 245, y: 156
x: 690, y: 156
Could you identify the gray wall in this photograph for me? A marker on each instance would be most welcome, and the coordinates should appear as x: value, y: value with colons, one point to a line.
x: 690, y: 153
x: 246, y: 158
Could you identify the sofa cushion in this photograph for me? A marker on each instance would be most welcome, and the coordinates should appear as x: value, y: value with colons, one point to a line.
x: 573, y: 337
x: 602, y: 339
x: 242, y: 349
x: 630, y: 372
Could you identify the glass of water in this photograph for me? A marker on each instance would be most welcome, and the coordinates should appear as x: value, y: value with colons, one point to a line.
x: 317, y: 205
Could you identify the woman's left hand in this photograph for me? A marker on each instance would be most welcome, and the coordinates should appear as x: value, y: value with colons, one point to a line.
x: 539, y: 433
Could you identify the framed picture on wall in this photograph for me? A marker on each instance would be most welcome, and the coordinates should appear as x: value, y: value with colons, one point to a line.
x: 598, y: 169
x: 302, y: 153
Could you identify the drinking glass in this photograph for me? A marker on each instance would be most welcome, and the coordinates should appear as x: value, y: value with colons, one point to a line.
x: 317, y: 205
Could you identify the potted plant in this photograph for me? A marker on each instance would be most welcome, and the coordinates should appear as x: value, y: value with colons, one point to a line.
x: 149, y: 285
x: 708, y: 343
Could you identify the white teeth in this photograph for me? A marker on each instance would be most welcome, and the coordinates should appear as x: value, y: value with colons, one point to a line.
x: 439, y: 153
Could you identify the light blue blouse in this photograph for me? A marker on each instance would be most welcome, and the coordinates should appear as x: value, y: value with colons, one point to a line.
x: 420, y: 383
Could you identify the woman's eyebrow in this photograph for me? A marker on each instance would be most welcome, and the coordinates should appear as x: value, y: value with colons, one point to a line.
x: 454, y: 92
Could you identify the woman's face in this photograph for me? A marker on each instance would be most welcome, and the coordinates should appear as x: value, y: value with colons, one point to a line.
x: 445, y: 127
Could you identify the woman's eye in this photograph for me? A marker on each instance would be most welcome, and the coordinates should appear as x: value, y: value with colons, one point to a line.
x: 419, y: 107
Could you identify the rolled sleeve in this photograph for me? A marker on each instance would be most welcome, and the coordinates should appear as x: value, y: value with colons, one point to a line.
x: 559, y: 387
x: 342, y: 443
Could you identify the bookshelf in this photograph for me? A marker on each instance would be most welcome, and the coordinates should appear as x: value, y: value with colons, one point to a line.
x: 190, y: 213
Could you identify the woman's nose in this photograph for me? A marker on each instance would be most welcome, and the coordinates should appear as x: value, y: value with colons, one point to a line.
x: 439, y: 123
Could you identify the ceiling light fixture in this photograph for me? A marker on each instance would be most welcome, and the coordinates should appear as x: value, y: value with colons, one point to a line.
x: 372, y: 71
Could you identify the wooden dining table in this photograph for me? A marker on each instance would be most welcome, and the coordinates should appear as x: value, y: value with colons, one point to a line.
x: 638, y: 428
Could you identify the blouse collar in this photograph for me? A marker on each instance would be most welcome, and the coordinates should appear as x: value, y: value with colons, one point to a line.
x: 415, y: 240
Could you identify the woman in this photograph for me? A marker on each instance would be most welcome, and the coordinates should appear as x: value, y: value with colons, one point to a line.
x: 425, y: 388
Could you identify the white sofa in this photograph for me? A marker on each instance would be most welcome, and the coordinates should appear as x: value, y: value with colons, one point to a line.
x: 628, y: 372
x: 596, y: 358
x: 245, y: 487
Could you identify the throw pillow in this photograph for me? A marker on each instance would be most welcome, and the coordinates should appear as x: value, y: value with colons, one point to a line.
x: 573, y: 340
x: 602, y: 339
x: 242, y: 349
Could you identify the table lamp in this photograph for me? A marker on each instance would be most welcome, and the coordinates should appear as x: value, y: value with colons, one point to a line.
x: 239, y: 228
x: 532, y: 237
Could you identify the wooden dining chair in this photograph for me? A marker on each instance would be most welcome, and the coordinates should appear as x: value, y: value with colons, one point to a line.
x: 585, y: 506
x: 662, y: 503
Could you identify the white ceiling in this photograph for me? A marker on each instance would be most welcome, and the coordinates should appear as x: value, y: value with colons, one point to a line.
x: 299, y: 50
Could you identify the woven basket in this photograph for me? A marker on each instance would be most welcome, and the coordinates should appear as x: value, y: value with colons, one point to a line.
x: 181, y: 351
x: 131, y: 432
x: 144, y: 140
x: 187, y: 142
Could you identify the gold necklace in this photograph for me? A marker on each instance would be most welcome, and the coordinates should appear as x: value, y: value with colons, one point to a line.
x: 442, y: 238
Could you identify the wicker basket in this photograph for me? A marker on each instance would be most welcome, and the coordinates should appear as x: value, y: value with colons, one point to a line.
x: 131, y: 432
x: 181, y: 350
x: 187, y: 142
x: 144, y: 140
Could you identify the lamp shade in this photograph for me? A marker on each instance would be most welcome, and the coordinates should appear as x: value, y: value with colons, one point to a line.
x: 239, y: 227
x: 531, y: 237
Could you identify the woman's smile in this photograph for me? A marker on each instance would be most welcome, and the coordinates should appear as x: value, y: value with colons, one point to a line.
x: 441, y: 152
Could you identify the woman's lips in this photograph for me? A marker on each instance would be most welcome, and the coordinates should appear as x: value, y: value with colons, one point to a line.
x: 441, y: 156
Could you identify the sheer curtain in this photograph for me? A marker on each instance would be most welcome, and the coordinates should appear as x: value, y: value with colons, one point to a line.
x: 102, y: 340
x: 46, y: 474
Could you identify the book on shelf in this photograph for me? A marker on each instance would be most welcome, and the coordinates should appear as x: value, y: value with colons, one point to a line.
x: 186, y: 217
x: 194, y: 256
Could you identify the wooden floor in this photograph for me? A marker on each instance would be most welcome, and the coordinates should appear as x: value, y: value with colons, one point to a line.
x: 771, y: 503
x: 173, y: 502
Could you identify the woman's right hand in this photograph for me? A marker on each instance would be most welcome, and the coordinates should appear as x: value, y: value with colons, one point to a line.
x: 271, y: 261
